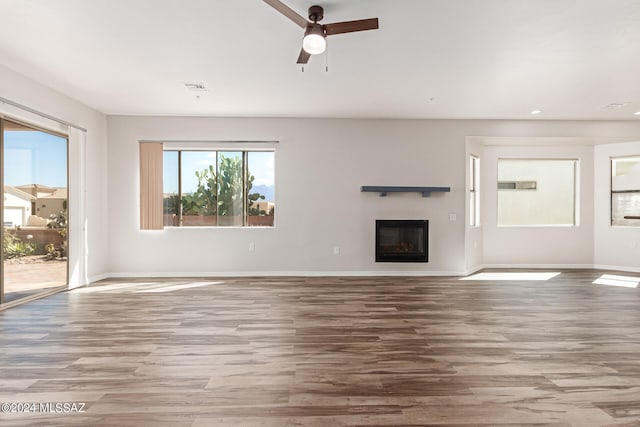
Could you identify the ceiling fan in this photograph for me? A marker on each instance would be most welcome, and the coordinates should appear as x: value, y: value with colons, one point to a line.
x: 315, y: 34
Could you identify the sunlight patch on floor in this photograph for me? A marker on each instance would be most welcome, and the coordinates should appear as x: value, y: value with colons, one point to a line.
x: 172, y: 288
x: 614, y: 280
x: 142, y: 287
x: 526, y: 275
x: 111, y: 287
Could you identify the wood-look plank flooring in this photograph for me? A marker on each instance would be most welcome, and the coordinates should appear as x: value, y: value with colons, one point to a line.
x: 328, y: 352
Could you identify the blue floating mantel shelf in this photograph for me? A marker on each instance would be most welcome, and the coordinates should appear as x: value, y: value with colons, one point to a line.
x: 383, y: 190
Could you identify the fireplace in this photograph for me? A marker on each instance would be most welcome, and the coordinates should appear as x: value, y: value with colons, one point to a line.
x: 402, y: 240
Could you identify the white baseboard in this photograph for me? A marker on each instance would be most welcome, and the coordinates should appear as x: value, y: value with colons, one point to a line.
x: 97, y: 278
x: 473, y: 270
x: 541, y: 266
x: 285, y: 274
x: 617, y: 268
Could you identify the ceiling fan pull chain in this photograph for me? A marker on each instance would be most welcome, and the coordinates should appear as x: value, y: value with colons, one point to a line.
x: 326, y: 59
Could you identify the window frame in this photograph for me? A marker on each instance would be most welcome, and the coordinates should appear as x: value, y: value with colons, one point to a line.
x: 474, y: 191
x: 612, y: 159
x: 217, y: 149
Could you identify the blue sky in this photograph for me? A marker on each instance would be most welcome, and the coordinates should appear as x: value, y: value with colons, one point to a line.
x: 34, y: 157
x: 261, y: 165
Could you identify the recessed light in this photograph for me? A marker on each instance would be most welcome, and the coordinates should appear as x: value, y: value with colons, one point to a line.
x: 536, y: 111
x: 637, y: 113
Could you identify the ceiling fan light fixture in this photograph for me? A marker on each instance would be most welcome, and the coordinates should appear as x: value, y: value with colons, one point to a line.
x: 314, y: 41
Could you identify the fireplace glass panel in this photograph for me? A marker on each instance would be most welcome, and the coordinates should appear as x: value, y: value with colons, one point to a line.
x: 401, y: 240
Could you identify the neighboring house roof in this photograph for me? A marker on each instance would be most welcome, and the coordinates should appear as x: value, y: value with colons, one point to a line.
x: 58, y: 193
x: 44, y: 191
x: 19, y: 193
x: 28, y: 187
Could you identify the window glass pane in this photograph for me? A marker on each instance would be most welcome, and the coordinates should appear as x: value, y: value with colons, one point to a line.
x: 219, y: 188
x: 260, y: 188
x: 625, y: 191
x: 199, y: 197
x: 230, y: 188
x: 625, y: 209
x: 171, y: 203
x: 550, y: 201
x: 35, y: 211
x: 474, y: 188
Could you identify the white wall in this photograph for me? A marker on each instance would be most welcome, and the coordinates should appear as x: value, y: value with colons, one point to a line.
x: 87, y: 169
x: 320, y: 167
x: 615, y: 247
x: 327, y: 161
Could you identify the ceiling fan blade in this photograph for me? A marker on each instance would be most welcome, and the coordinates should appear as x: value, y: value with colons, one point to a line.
x: 288, y: 12
x: 304, y: 56
x: 351, y: 26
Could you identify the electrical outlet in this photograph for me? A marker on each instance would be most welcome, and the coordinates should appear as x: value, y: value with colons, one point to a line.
x: 336, y: 250
x: 252, y: 247
x: 453, y: 217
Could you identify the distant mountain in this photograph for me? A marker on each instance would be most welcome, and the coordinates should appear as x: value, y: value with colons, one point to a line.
x: 266, y: 190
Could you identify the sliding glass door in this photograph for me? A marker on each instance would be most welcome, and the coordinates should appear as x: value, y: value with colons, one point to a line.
x: 34, y: 211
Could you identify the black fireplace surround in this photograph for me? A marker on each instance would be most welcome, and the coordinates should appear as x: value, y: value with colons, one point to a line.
x: 402, y: 240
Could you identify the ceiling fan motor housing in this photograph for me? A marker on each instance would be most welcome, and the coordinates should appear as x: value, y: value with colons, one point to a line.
x: 316, y: 13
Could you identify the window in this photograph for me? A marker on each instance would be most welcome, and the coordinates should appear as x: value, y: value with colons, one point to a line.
x: 474, y: 191
x: 517, y: 185
x: 218, y: 188
x: 537, y: 192
x: 625, y: 191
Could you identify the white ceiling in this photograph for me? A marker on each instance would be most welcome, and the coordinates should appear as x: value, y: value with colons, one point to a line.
x: 429, y: 59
